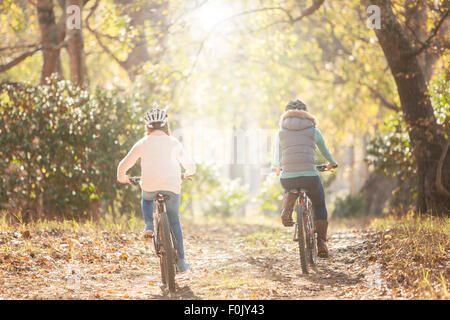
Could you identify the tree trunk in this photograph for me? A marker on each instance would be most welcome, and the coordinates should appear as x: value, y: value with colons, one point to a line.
x: 52, y: 35
x: 427, y: 137
x: 140, y: 14
x: 75, y: 48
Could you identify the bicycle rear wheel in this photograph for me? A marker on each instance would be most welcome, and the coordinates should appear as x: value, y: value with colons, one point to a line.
x: 312, y: 240
x: 302, y: 244
x: 167, y: 259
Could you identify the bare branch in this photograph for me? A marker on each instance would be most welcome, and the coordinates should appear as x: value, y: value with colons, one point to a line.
x: 92, y: 10
x: 104, y: 47
x: 428, y: 42
x: 310, y: 10
x: 383, y: 99
x: 19, y: 59
x: 97, y: 35
x: 19, y: 46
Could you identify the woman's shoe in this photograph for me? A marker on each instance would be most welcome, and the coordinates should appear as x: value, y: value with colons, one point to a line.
x: 182, y: 266
x: 321, y: 228
x: 289, y: 199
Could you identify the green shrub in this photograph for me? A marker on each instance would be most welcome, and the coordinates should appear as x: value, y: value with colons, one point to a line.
x: 213, y: 194
x: 349, y: 206
x: 390, y: 150
x: 228, y: 198
x: 61, y: 146
x: 270, y: 195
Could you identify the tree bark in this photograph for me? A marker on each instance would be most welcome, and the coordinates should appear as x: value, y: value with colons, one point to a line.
x: 52, y: 35
x: 75, y: 48
x: 426, y: 135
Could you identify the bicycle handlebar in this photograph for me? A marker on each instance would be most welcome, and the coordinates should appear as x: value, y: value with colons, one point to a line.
x: 321, y: 167
x: 137, y: 179
x: 325, y: 167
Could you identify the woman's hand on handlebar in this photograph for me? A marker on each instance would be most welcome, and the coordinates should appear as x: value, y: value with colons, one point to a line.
x: 331, y: 166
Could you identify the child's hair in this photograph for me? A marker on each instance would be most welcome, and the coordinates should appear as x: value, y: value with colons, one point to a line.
x: 156, y: 126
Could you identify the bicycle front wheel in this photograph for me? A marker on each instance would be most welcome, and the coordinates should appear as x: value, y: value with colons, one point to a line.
x: 302, y: 243
x: 167, y: 254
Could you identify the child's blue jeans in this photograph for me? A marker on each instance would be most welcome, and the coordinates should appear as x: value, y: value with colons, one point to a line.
x: 173, y: 213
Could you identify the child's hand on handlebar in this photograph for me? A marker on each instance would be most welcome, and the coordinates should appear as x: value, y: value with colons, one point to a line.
x: 127, y: 180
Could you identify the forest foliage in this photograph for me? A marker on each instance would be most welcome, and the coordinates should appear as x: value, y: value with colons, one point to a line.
x: 232, y: 63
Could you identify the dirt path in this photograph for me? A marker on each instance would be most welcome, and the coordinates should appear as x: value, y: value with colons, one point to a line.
x: 230, y: 262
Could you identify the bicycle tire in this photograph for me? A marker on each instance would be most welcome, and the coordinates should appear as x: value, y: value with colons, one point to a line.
x: 302, y: 240
x: 167, y: 254
x: 309, y: 237
x: 312, y: 247
x: 157, y: 240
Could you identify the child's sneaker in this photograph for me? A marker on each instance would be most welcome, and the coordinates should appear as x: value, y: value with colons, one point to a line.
x: 182, y: 266
x: 147, y: 234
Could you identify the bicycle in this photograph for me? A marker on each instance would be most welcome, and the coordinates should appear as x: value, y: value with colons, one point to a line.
x: 304, y: 230
x: 164, y: 239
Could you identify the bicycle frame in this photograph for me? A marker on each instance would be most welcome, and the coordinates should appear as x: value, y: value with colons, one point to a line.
x: 164, y: 238
x: 304, y: 230
x: 304, y: 210
x: 160, y: 208
x: 165, y: 244
x: 307, y: 213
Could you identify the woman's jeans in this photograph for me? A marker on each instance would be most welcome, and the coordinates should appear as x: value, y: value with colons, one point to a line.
x: 314, y: 191
x: 173, y: 213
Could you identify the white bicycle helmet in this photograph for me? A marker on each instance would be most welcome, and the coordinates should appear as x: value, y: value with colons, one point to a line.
x: 156, y: 115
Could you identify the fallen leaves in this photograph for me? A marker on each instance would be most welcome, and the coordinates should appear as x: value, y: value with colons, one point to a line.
x: 412, y: 258
x: 256, y: 262
x: 62, y: 263
x: 26, y: 234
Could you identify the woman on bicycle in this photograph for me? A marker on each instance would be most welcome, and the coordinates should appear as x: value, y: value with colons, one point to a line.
x: 294, y: 150
x: 161, y: 156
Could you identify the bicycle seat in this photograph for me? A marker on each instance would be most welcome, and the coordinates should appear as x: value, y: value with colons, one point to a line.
x: 298, y: 190
x: 162, y: 197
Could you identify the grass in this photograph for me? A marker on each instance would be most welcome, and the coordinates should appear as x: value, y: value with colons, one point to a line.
x: 414, y: 250
x: 107, y: 223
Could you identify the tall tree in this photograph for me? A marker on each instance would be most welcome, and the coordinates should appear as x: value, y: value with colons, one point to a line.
x: 52, y: 36
x: 75, y: 45
x: 429, y: 144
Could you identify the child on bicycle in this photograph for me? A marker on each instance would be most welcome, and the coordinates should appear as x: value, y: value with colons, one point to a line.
x: 161, y: 156
x: 294, y: 150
